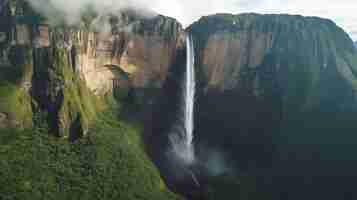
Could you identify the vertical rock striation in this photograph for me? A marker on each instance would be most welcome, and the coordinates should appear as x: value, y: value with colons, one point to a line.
x: 67, y: 65
x: 258, y: 71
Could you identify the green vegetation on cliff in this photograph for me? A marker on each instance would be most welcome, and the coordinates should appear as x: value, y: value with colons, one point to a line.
x: 79, y: 106
x: 60, y: 91
x: 15, y: 78
x: 108, y: 164
x: 75, y: 150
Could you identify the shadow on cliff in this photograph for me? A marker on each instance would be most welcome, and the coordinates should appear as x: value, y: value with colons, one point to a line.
x: 163, y: 114
x: 159, y: 123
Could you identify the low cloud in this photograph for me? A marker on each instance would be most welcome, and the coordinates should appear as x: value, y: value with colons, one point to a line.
x: 187, y: 11
x: 70, y: 11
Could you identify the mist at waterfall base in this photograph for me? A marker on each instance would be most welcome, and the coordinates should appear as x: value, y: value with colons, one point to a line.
x: 182, y: 156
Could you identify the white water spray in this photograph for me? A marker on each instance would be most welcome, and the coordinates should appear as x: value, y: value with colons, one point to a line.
x: 182, y: 138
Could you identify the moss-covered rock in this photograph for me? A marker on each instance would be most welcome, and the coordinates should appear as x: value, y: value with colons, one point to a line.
x: 58, y: 91
x: 15, y: 83
x: 74, y: 64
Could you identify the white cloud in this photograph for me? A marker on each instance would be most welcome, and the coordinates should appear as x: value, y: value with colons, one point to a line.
x: 71, y: 10
x: 187, y: 11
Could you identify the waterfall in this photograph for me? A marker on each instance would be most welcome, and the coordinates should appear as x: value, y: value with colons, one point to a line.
x: 189, y: 98
x: 182, y: 137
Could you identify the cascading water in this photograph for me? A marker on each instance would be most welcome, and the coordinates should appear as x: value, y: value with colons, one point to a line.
x: 182, y: 137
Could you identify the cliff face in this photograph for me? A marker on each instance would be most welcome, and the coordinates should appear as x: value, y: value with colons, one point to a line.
x: 258, y: 71
x: 62, y: 79
x: 231, y: 48
x: 144, y: 54
x: 60, y: 68
x: 259, y: 77
x: 254, y: 71
x: 15, y: 74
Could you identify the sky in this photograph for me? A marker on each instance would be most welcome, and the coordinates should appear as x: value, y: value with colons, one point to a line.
x: 343, y: 12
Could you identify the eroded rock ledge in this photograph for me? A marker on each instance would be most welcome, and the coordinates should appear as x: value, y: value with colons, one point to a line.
x: 61, y: 67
